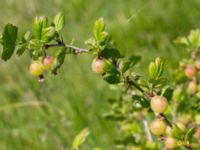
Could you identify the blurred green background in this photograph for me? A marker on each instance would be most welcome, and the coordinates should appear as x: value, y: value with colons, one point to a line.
x: 47, y: 116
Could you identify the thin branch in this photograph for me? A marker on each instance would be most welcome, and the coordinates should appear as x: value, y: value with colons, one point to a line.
x: 131, y: 82
x: 75, y: 50
x: 166, y: 120
x: 147, y: 130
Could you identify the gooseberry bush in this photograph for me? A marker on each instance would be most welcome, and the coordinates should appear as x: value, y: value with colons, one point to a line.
x: 151, y: 113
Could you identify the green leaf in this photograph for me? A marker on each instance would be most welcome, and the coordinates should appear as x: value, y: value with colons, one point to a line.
x: 156, y: 68
x: 182, y: 40
x: 189, y: 134
x: 21, y: 48
x: 91, y: 42
x: 99, y: 27
x: 141, y: 100
x: 35, y: 54
x: 80, y: 139
x: 98, y: 31
x: 130, y: 63
x: 48, y: 34
x: 27, y: 36
x: 38, y: 25
x: 111, y: 100
x: 25, y: 43
x: 103, y: 38
x: 109, y: 67
x: 167, y: 92
x: 159, y: 82
x: 194, y: 37
x: 59, y: 60
x: 59, y: 21
x: 111, y: 78
x: 41, y: 31
x: 127, y: 140
x: 177, y: 133
x: 134, y: 60
x: 111, y: 53
x: 9, y: 40
x: 180, y: 76
x: 35, y: 44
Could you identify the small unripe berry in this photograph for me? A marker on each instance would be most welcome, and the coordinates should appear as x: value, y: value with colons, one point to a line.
x: 170, y: 143
x: 190, y: 71
x: 36, y: 68
x: 158, y: 127
x: 48, y: 62
x: 197, y: 64
x: 159, y: 104
x: 98, y: 65
x: 192, y: 87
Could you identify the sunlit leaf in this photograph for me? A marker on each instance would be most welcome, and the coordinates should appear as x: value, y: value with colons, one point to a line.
x: 80, y: 138
x: 59, y: 21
